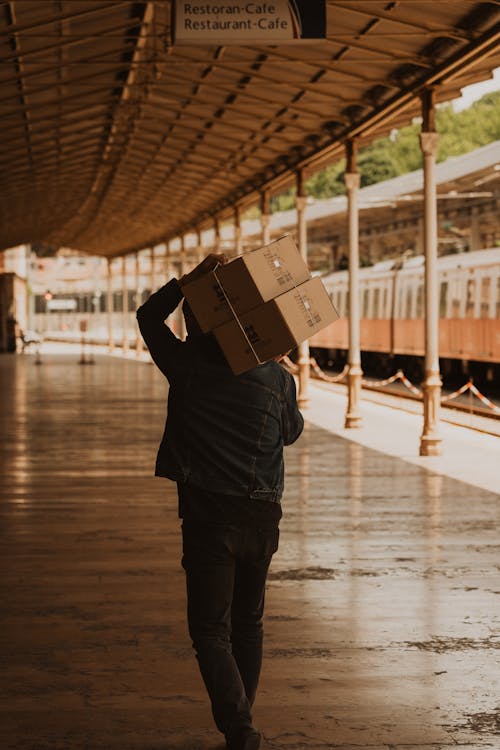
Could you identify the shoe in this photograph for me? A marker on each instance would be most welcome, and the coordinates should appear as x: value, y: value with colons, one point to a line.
x: 246, y: 738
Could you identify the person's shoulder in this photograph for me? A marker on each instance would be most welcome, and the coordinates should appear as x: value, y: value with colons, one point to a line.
x: 270, y: 373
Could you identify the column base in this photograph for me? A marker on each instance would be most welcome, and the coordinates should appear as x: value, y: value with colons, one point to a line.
x: 430, y: 446
x: 353, y: 417
x: 352, y: 420
x: 430, y: 440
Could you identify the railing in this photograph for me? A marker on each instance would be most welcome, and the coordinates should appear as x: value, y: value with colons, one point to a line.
x: 318, y: 373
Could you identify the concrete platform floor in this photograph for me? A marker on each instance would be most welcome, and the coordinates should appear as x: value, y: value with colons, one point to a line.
x: 383, y: 609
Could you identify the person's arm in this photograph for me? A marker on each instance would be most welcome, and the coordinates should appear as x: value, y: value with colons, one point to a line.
x: 162, y: 343
x: 292, y: 420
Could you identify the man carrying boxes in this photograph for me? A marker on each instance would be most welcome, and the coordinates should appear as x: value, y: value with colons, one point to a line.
x: 231, y: 409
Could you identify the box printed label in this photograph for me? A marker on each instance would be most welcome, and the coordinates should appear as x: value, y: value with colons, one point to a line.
x: 312, y: 317
x: 278, y: 268
x: 252, y: 334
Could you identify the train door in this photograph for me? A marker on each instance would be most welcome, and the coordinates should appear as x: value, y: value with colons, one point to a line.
x: 457, y: 294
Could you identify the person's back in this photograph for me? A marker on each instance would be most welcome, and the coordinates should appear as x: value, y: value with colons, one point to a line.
x: 223, y: 445
x: 226, y: 432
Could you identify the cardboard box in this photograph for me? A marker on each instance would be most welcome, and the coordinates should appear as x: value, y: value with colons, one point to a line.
x: 276, y: 326
x: 247, y: 281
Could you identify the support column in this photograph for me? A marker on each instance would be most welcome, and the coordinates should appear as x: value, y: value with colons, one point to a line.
x: 30, y: 260
x: 110, y: 304
x: 475, y: 231
x: 430, y: 440
x: 352, y: 179
x: 200, y: 252
x: 265, y: 217
x: 181, y: 326
x: 304, y: 360
x: 238, y: 231
x: 168, y: 269
x: 335, y: 255
x: 124, y: 306
x: 217, y: 243
x: 419, y: 238
x: 138, y: 302
x: 152, y: 270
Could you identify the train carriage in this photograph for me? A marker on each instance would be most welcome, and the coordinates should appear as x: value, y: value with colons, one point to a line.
x: 392, y: 313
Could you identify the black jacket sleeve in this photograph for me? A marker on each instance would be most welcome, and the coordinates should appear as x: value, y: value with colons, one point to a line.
x: 163, y: 344
x: 292, y: 420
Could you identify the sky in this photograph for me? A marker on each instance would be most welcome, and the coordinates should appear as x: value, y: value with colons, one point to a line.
x: 476, y: 91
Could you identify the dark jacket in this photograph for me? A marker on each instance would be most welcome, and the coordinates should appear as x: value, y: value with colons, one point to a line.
x: 224, y: 433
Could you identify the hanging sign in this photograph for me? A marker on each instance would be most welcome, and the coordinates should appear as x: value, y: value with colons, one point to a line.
x: 275, y: 22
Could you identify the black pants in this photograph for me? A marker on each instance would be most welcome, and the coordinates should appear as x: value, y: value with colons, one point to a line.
x: 226, y: 568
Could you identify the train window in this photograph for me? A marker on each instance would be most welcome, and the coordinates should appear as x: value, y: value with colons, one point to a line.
x: 470, y: 298
x: 337, y: 299
x: 341, y: 300
x: 456, y: 294
x: 485, y: 297
x: 384, y: 313
x: 364, y: 309
x: 398, y: 303
x: 376, y: 303
x: 419, y: 312
x: 334, y: 296
x: 407, y: 303
x: 443, y: 294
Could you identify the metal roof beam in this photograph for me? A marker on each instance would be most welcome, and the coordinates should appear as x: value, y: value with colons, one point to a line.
x: 74, y: 43
x: 18, y: 64
x: 421, y: 27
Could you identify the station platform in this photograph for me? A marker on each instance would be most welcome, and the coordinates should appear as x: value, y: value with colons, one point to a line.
x: 383, y: 605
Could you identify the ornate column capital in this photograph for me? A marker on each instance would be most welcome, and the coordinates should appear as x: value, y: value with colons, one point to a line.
x: 301, y: 202
x: 352, y: 180
x: 429, y: 143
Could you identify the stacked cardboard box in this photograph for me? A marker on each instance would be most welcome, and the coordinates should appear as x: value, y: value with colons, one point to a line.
x: 261, y: 304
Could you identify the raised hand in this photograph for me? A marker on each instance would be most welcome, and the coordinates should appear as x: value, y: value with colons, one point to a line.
x: 207, y: 264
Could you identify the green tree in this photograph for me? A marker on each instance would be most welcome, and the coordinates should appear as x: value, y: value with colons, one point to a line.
x: 328, y: 182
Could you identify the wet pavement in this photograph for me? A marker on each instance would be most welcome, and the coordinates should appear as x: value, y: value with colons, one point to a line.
x: 383, y: 606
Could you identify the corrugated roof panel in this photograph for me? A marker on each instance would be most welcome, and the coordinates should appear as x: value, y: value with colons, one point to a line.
x: 113, y: 139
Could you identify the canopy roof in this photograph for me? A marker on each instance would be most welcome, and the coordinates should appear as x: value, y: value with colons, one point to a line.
x: 113, y: 139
